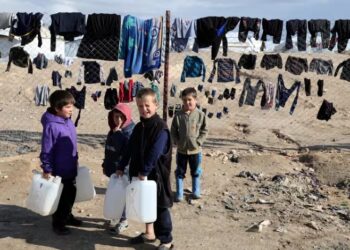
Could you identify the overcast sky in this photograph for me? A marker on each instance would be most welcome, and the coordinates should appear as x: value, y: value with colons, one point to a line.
x: 283, y: 9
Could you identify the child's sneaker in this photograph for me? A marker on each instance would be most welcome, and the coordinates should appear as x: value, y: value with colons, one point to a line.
x: 120, y: 227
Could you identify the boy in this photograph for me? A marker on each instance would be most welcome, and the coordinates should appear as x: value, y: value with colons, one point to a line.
x: 59, y: 156
x: 188, y: 132
x: 149, y: 153
x: 121, y: 126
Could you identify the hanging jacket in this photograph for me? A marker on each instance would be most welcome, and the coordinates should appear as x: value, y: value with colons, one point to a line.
x: 345, y: 74
x: 91, y: 72
x: 111, y: 98
x: 226, y: 66
x: 181, y: 31
x: 113, y: 76
x: 68, y: 25
x: 27, y: 26
x: 19, y: 57
x: 296, y: 27
x: 322, y: 67
x: 296, y: 65
x: 247, y: 61
x: 193, y: 67
x: 101, y: 40
x: 125, y: 91
x: 141, y: 45
x: 341, y: 34
x: 282, y: 94
x: 211, y: 31
x: 249, y: 93
x: 272, y: 28
x: 319, y: 25
x: 40, y: 61
x: 269, y: 61
x: 248, y: 24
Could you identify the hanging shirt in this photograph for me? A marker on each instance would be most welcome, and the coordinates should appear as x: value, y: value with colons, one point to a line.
x: 21, y: 58
x: 91, y: 72
x: 247, y: 61
x: 322, y: 67
x: 193, y: 67
x: 296, y: 65
x: 226, y: 66
x: 141, y: 45
x: 269, y: 61
x: 345, y: 74
x: 181, y: 31
x: 40, y: 61
x: 249, y: 93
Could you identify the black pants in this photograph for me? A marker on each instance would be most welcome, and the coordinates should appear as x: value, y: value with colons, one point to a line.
x: 64, y: 209
x: 163, y: 226
x: 296, y: 27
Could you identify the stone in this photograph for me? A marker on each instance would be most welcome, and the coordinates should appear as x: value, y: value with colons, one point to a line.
x: 312, y: 225
x: 258, y: 228
x: 281, y: 230
x: 262, y: 201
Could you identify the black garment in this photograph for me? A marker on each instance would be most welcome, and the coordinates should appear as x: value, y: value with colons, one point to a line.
x: 111, y: 98
x: 20, y: 58
x: 296, y: 27
x: 141, y: 141
x: 342, y: 28
x: 79, y: 97
x: 269, y: 61
x: 249, y: 93
x: 282, y: 94
x: 247, y: 61
x: 68, y: 25
x: 91, y: 72
x: 226, y: 67
x: 320, y: 87
x: 319, y: 25
x: 68, y: 73
x: 113, y: 76
x: 326, y: 111
x: 248, y: 24
x: 65, y: 204
x: 27, y: 26
x: 233, y: 93
x: 101, y: 40
x: 211, y: 31
x: 296, y: 65
x: 163, y: 226
x: 273, y: 28
x: 322, y: 67
x: 226, y: 93
x: 56, y: 79
x: 345, y: 74
x: 40, y: 61
x: 307, y: 83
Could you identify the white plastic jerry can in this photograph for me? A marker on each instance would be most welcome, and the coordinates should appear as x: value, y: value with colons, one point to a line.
x: 141, y: 201
x: 114, y: 203
x: 85, y: 187
x: 44, y: 194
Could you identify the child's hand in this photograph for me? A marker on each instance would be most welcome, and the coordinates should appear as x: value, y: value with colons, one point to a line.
x: 142, y: 177
x: 119, y: 173
x: 46, y: 176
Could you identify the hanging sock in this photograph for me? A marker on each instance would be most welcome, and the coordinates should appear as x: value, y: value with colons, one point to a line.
x: 320, y: 88
x: 307, y: 83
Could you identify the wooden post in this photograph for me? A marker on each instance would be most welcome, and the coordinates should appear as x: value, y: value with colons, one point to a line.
x: 166, y: 65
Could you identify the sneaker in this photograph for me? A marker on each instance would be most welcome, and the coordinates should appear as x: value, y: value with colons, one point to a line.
x: 120, y: 227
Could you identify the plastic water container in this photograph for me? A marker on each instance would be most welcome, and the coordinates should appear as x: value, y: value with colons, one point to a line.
x: 114, y: 203
x: 44, y: 194
x: 85, y: 187
x: 141, y: 201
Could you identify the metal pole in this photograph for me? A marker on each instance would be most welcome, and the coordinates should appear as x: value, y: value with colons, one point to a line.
x: 166, y: 66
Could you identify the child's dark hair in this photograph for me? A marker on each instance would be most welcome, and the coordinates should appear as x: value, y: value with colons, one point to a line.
x: 60, y: 98
x: 189, y: 91
x: 147, y: 91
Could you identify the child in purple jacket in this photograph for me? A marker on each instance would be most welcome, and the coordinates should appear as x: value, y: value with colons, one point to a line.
x: 59, y: 156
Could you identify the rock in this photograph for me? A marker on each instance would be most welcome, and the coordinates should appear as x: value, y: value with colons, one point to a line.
x: 234, y: 158
x: 193, y: 201
x: 251, y: 151
x: 89, y: 215
x: 261, y: 201
x: 5, y: 177
x: 279, y: 178
x: 259, y: 226
x: 209, y: 154
x: 81, y: 211
x: 312, y: 225
x: 224, y: 159
x: 233, y: 152
x: 281, y: 230
x: 200, y: 207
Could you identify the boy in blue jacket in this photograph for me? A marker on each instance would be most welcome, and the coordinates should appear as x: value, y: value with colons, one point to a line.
x: 59, y: 156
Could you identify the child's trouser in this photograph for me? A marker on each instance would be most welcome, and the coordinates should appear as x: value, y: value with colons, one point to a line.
x: 64, y: 209
x: 163, y: 226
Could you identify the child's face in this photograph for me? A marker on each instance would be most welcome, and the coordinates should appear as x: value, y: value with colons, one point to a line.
x: 189, y: 103
x: 147, y: 106
x: 118, y: 119
x: 66, y: 111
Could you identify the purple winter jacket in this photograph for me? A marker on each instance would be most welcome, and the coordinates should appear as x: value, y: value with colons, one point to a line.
x: 59, y: 154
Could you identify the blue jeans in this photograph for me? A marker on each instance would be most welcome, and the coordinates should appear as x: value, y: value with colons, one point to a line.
x: 194, y: 161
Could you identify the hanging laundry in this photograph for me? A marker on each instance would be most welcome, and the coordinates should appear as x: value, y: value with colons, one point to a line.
x: 27, y: 26
x: 112, y: 76
x: 153, y: 76
x: 282, y: 94
x: 272, y: 28
x: 173, y: 90
x: 296, y: 27
x: 322, y: 67
x: 249, y: 93
x: 40, y: 61
x: 320, y: 87
x: 345, y: 74
x: 296, y: 65
x: 248, y: 24
x: 211, y: 31
x: 68, y: 73
x: 101, y: 40
x: 322, y: 26
x: 42, y: 94
x: 91, y: 72
x: 247, y: 61
x: 307, y: 83
x: 68, y: 25
x: 79, y: 97
x: 341, y: 34
x: 181, y: 31
x: 111, y: 98
x: 56, y: 79
x: 193, y: 67
x: 155, y: 88
x: 136, y: 88
x: 226, y: 66
x: 21, y: 58
x: 141, y: 45
x: 125, y: 91
x: 269, y: 61
x: 326, y: 110
x: 268, y: 96
x: 96, y: 95
x: 6, y: 20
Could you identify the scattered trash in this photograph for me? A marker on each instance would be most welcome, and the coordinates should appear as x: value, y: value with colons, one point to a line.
x: 281, y: 230
x: 259, y: 226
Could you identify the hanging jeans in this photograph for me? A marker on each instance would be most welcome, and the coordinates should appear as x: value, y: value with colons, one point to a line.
x: 282, y: 94
x: 324, y: 27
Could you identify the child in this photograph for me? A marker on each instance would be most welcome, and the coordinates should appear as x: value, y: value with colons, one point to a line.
x: 59, y: 156
x: 188, y: 132
x: 121, y: 126
x: 149, y: 153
